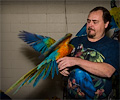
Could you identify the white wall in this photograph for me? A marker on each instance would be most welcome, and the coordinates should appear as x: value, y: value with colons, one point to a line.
x: 45, y: 17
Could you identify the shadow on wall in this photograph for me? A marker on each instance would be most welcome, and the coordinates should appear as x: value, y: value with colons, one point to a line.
x: 45, y: 89
x: 48, y: 89
x: 31, y: 54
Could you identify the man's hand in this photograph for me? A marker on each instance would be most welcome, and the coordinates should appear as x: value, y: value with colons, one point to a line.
x: 64, y: 72
x: 64, y: 63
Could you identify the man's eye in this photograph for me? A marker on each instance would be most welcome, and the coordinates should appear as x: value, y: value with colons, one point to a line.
x: 95, y: 22
x: 88, y: 21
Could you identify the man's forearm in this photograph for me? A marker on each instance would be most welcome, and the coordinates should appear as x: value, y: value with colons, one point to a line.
x: 99, y: 69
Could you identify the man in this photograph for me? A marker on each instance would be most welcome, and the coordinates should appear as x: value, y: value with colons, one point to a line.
x: 98, y: 23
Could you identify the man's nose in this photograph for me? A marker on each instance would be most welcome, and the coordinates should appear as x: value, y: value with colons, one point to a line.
x: 91, y: 24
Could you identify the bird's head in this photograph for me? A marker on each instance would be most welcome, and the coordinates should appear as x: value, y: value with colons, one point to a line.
x: 68, y: 35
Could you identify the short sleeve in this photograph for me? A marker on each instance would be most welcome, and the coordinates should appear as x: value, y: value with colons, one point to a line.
x: 112, y: 55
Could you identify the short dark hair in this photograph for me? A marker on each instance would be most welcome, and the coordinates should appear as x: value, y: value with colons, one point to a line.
x: 106, y: 15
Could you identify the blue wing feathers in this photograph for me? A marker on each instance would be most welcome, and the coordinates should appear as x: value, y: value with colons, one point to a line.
x: 22, y: 84
x: 38, y: 78
x: 56, y: 66
x: 48, y: 71
x: 53, y: 69
x: 29, y: 37
x: 44, y: 49
x: 38, y: 47
x: 33, y: 77
x: 53, y: 55
x: 41, y: 75
x: 38, y: 42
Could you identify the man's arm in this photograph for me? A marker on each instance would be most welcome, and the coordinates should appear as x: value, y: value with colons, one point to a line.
x: 99, y: 69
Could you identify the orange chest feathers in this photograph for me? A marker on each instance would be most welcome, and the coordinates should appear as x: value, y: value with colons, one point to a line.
x: 64, y: 50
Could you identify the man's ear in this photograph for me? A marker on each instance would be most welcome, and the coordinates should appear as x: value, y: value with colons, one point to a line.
x: 106, y: 24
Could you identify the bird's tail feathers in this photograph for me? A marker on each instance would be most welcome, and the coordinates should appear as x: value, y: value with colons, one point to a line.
x: 42, y: 70
x: 24, y: 77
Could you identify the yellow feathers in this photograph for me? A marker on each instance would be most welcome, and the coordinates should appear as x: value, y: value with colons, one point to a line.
x: 115, y: 12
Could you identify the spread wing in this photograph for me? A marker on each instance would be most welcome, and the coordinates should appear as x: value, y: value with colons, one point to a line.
x: 38, y: 42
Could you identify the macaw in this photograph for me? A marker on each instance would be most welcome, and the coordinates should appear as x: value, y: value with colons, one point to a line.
x: 115, y: 20
x: 82, y: 80
x: 50, y: 52
x: 115, y: 12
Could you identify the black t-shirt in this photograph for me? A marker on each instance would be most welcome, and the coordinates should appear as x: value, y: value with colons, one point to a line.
x: 108, y: 47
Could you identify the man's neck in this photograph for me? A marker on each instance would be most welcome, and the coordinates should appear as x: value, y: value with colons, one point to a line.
x: 95, y: 39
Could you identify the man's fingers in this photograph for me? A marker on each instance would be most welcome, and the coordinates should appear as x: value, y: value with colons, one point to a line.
x: 59, y: 60
x: 65, y: 72
x: 62, y: 66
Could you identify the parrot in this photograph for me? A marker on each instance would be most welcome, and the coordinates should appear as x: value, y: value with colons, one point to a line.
x: 115, y: 20
x: 115, y: 12
x: 50, y: 51
x: 89, y: 54
x: 83, y: 80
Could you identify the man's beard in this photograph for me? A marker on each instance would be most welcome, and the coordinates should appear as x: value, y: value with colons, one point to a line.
x: 89, y: 33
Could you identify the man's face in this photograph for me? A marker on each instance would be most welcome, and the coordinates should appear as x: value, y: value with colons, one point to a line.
x: 95, y: 25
